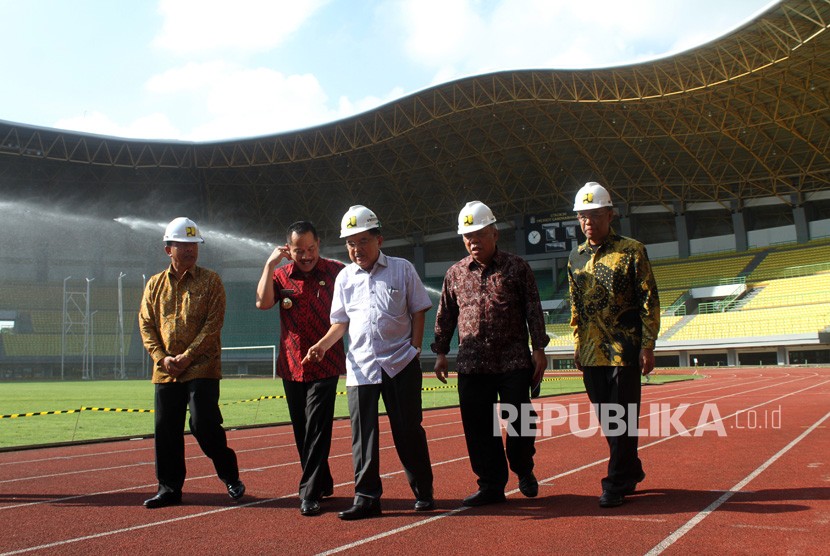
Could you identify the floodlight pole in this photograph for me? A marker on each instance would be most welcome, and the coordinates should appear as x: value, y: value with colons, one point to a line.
x: 120, y: 372
x: 63, y: 325
x: 87, y: 374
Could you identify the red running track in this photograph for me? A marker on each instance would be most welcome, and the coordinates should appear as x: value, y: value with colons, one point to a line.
x: 750, y: 475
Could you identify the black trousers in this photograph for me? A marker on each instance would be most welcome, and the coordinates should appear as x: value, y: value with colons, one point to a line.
x: 620, y: 386
x: 478, y: 395
x: 311, y: 406
x: 402, y: 398
x: 172, y: 401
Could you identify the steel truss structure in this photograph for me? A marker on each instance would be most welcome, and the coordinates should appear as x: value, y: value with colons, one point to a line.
x: 743, y: 117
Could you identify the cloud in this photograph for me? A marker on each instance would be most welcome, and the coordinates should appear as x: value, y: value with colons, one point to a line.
x: 437, y: 30
x: 232, y: 102
x: 188, y: 78
x: 232, y: 84
x: 262, y: 101
x: 200, y: 26
x: 457, y: 38
x: 235, y: 101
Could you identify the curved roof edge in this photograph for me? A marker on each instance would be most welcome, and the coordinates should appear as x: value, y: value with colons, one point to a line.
x: 768, y: 39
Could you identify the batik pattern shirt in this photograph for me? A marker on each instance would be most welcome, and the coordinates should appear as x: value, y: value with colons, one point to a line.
x: 494, y: 308
x: 304, y: 319
x: 615, y: 308
x: 184, y: 316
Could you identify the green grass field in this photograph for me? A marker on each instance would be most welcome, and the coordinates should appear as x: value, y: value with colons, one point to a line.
x: 245, y: 402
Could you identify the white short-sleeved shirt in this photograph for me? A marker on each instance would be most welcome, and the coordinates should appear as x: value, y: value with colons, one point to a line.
x: 378, y: 307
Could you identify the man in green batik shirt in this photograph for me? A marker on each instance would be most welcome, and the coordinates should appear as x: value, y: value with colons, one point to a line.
x: 615, y: 312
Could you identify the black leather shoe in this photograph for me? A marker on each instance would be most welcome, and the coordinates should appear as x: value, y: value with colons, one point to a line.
x: 424, y: 505
x: 483, y: 497
x: 528, y: 485
x: 610, y: 499
x: 236, y: 490
x: 361, y: 510
x: 309, y: 507
x: 629, y: 489
x: 163, y: 499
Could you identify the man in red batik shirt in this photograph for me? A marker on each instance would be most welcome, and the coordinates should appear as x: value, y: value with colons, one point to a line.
x: 303, y: 288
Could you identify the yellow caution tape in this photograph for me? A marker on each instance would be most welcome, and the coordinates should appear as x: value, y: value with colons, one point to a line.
x: 260, y: 398
x: 36, y: 413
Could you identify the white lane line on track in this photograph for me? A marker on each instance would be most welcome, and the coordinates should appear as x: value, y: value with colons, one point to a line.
x: 547, y: 480
x: 343, y: 424
x: 195, y: 456
x: 275, y: 466
x: 191, y: 441
x: 391, y: 532
x: 193, y: 516
x: 692, y: 523
x: 104, y: 534
x: 211, y: 476
x: 632, y: 518
x: 588, y: 410
x: 385, y: 534
x: 709, y: 400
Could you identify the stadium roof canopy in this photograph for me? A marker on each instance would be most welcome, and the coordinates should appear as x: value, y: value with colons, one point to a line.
x: 742, y: 117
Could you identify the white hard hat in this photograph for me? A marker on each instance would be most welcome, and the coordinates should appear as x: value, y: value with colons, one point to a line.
x: 358, y: 219
x: 592, y: 196
x: 183, y: 229
x: 474, y: 216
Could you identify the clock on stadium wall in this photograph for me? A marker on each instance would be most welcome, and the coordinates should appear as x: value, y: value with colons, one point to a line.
x: 534, y: 237
x: 551, y: 233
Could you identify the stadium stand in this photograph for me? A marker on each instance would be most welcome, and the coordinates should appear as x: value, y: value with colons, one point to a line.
x: 717, y: 159
x: 783, y: 262
x: 772, y: 309
x: 681, y: 275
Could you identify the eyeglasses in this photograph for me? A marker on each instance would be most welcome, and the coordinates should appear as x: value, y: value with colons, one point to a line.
x: 362, y: 243
x: 592, y: 216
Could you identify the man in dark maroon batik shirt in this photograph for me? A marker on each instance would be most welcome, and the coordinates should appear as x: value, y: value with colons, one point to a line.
x: 492, y: 298
x: 303, y: 288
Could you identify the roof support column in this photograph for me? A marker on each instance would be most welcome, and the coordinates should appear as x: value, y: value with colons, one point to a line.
x: 418, y: 258
x: 520, y: 247
x: 682, y: 226
x: 739, y: 228
x: 802, y: 227
x: 625, y: 219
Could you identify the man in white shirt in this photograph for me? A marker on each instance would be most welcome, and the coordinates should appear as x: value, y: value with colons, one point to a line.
x: 381, y: 302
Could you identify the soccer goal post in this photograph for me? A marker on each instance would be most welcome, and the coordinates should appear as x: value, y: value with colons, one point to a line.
x: 255, y: 354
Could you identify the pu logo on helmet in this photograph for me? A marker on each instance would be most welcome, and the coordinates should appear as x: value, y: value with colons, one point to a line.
x: 352, y: 222
x: 589, y: 198
x: 190, y: 231
x: 468, y: 220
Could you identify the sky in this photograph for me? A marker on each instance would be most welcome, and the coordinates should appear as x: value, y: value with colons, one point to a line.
x: 210, y: 70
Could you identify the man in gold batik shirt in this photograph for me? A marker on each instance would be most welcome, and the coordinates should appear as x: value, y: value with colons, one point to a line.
x: 615, y: 312
x: 180, y: 319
